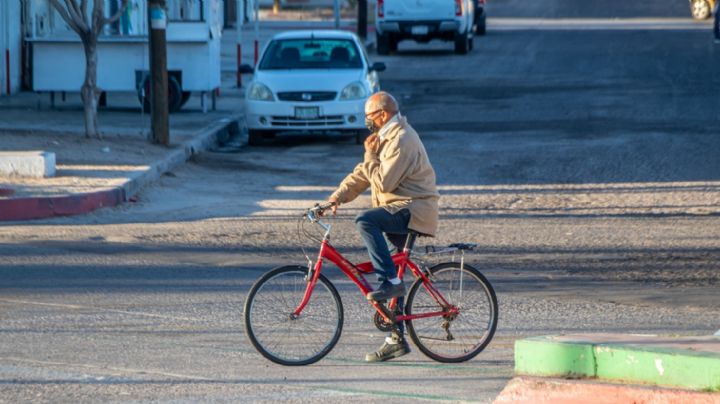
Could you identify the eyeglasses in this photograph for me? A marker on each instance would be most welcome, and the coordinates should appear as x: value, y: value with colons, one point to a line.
x: 369, y: 114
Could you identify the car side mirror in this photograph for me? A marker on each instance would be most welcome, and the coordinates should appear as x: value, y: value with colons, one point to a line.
x: 378, y: 67
x: 246, y: 69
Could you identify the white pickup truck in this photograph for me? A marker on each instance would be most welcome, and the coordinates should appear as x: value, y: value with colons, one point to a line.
x: 424, y: 20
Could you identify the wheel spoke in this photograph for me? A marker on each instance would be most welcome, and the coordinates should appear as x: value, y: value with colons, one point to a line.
x: 279, y: 336
x: 457, y: 337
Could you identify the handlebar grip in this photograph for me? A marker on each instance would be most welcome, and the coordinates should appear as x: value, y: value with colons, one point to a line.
x: 320, y: 208
x: 326, y: 205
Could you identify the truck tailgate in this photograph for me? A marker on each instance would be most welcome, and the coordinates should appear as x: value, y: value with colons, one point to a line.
x: 419, y: 10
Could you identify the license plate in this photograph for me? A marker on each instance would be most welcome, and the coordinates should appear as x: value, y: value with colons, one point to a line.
x: 307, y: 112
x: 419, y: 30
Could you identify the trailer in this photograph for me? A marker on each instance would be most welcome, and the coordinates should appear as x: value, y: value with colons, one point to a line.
x: 194, y: 30
x: 10, y: 47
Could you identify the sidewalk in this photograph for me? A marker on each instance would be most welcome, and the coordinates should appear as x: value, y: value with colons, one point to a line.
x: 95, y: 173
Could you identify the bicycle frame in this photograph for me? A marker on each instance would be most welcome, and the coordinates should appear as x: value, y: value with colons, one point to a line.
x: 355, y: 273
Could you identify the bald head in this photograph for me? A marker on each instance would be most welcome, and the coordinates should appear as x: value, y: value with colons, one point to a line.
x: 382, y: 101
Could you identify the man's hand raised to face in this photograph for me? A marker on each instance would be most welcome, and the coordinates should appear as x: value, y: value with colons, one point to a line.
x: 371, y: 143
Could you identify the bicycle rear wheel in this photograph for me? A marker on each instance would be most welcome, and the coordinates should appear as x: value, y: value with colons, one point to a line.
x: 453, y: 338
x: 276, y: 334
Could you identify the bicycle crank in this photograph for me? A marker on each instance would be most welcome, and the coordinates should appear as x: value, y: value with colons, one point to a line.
x: 381, y: 324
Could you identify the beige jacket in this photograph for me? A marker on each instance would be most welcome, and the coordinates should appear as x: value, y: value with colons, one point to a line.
x: 399, y: 176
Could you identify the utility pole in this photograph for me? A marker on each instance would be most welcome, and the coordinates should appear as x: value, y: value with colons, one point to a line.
x: 362, y: 19
x: 238, y: 39
x: 336, y: 13
x: 157, y: 24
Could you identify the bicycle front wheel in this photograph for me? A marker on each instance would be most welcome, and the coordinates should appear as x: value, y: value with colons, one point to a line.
x: 283, y: 338
x: 459, y: 337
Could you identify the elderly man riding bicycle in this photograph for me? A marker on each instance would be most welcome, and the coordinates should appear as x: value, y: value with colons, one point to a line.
x: 397, y: 170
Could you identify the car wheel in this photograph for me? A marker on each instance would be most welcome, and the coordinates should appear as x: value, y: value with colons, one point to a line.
x: 383, y: 44
x: 700, y: 9
x: 462, y: 43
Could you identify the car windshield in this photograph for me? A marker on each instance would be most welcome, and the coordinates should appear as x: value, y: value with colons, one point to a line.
x: 311, y: 53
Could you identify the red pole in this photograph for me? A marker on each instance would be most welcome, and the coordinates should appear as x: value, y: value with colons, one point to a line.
x: 7, y: 70
x: 256, y: 52
x: 239, y: 62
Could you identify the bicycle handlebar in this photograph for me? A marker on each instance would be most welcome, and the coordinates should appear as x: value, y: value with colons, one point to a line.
x: 319, y: 208
x: 316, y: 211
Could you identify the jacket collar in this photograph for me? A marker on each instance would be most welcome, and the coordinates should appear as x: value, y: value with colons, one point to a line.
x: 391, y: 128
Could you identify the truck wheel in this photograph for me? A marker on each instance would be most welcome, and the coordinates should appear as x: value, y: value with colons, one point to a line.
x: 383, y: 44
x: 480, y: 26
x: 393, y: 44
x: 700, y: 9
x: 462, y: 44
x: 175, y: 95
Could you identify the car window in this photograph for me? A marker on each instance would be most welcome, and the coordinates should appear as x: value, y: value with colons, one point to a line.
x: 311, y: 53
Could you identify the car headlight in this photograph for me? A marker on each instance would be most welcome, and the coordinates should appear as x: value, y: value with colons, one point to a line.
x: 353, y: 91
x: 260, y: 92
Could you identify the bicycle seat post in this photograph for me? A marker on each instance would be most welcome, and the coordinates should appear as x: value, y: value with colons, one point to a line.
x: 410, y: 242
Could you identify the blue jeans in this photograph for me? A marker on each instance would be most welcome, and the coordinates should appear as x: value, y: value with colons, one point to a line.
x: 372, y: 224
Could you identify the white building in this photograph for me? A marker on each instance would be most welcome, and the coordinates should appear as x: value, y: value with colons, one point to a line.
x: 46, y: 55
x: 10, y: 46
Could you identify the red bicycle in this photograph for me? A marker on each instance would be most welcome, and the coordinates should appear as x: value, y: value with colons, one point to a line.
x: 294, y: 315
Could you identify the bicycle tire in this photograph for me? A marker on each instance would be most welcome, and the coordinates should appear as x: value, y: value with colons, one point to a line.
x: 418, y: 328
x: 266, y: 293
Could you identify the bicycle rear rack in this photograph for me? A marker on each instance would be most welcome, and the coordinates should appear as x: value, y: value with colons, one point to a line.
x: 431, y: 250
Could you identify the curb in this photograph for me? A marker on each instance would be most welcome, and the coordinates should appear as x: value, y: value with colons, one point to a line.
x: 67, y: 205
x: 557, y: 391
x: 689, y: 363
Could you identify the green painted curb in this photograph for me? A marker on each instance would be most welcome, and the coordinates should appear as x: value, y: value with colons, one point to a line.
x: 542, y: 357
x: 687, y: 369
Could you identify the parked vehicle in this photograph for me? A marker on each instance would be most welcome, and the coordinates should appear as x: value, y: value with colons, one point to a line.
x: 425, y: 20
x: 310, y: 81
x: 480, y: 17
x: 702, y: 9
x: 56, y: 59
x: 716, y: 23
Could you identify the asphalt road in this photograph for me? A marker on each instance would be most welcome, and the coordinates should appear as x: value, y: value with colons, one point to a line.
x: 584, y: 163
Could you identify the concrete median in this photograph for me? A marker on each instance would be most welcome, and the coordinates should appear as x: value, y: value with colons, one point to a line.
x: 624, y: 367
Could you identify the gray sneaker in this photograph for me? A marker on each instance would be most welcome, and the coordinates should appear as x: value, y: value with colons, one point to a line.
x: 386, y: 291
x: 389, y: 351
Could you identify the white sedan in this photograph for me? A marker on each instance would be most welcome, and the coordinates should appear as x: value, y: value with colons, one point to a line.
x: 310, y: 81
